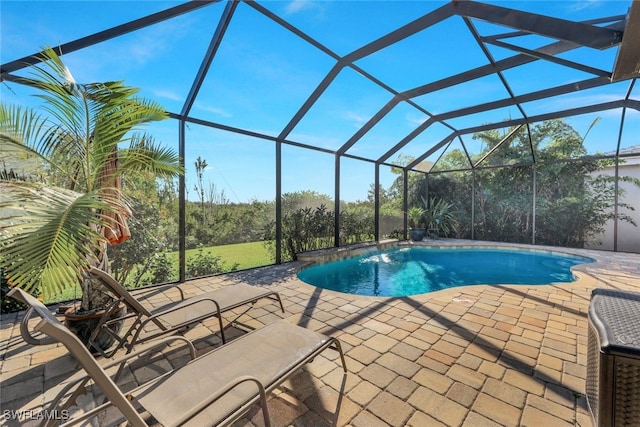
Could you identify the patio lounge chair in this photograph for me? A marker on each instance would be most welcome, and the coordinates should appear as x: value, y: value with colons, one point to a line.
x: 149, y: 323
x: 214, y: 389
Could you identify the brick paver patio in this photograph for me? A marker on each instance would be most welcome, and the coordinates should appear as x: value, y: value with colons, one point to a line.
x: 469, y: 356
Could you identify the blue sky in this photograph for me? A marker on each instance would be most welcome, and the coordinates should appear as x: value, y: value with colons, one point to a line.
x: 262, y: 74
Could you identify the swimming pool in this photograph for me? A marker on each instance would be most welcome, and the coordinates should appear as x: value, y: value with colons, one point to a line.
x: 418, y: 270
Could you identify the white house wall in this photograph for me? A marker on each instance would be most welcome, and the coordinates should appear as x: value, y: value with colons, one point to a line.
x: 628, y: 235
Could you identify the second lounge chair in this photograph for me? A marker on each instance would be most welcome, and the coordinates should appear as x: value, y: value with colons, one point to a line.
x: 149, y: 323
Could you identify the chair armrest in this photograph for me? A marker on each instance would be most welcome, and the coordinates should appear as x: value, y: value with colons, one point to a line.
x: 143, y: 293
x: 26, y: 333
x: 223, y: 391
x: 151, y: 346
x: 118, y: 319
x: 157, y: 318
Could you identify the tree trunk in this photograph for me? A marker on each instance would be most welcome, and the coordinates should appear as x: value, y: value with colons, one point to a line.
x: 94, y: 294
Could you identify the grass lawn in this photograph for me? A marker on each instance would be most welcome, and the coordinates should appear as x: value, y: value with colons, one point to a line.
x: 246, y: 255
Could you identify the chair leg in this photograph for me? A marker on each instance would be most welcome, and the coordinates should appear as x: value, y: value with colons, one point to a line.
x: 224, y: 340
x: 338, y: 348
x: 104, y: 320
x: 277, y: 297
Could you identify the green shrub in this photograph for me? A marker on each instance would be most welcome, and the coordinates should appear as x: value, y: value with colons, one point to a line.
x: 205, y: 264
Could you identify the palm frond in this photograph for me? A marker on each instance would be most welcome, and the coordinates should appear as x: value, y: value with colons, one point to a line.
x: 145, y: 155
x: 48, y: 235
x: 26, y: 134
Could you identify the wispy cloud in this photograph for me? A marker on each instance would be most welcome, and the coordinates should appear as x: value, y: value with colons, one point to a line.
x: 215, y: 110
x: 329, y: 142
x: 564, y: 103
x: 139, y: 49
x: 153, y: 43
x: 356, y: 118
x: 415, y: 120
x: 150, y: 45
x: 576, y: 6
x: 167, y: 94
x: 296, y: 6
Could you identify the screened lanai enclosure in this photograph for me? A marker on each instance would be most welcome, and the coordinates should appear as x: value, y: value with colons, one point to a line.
x: 313, y: 124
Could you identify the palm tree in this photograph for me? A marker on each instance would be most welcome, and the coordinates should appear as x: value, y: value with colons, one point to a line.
x: 61, y: 203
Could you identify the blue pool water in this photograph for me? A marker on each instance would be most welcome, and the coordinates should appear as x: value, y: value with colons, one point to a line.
x: 411, y: 271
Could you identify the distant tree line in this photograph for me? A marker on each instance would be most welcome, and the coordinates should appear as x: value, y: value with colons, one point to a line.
x: 573, y: 202
x: 568, y: 201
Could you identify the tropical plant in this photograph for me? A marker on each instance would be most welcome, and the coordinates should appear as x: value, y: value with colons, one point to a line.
x: 355, y: 224
x: 58, y: 218
x: 7, y: 305
x: 415, y: 215
x: 439, y: 217
x: 304, y: 229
